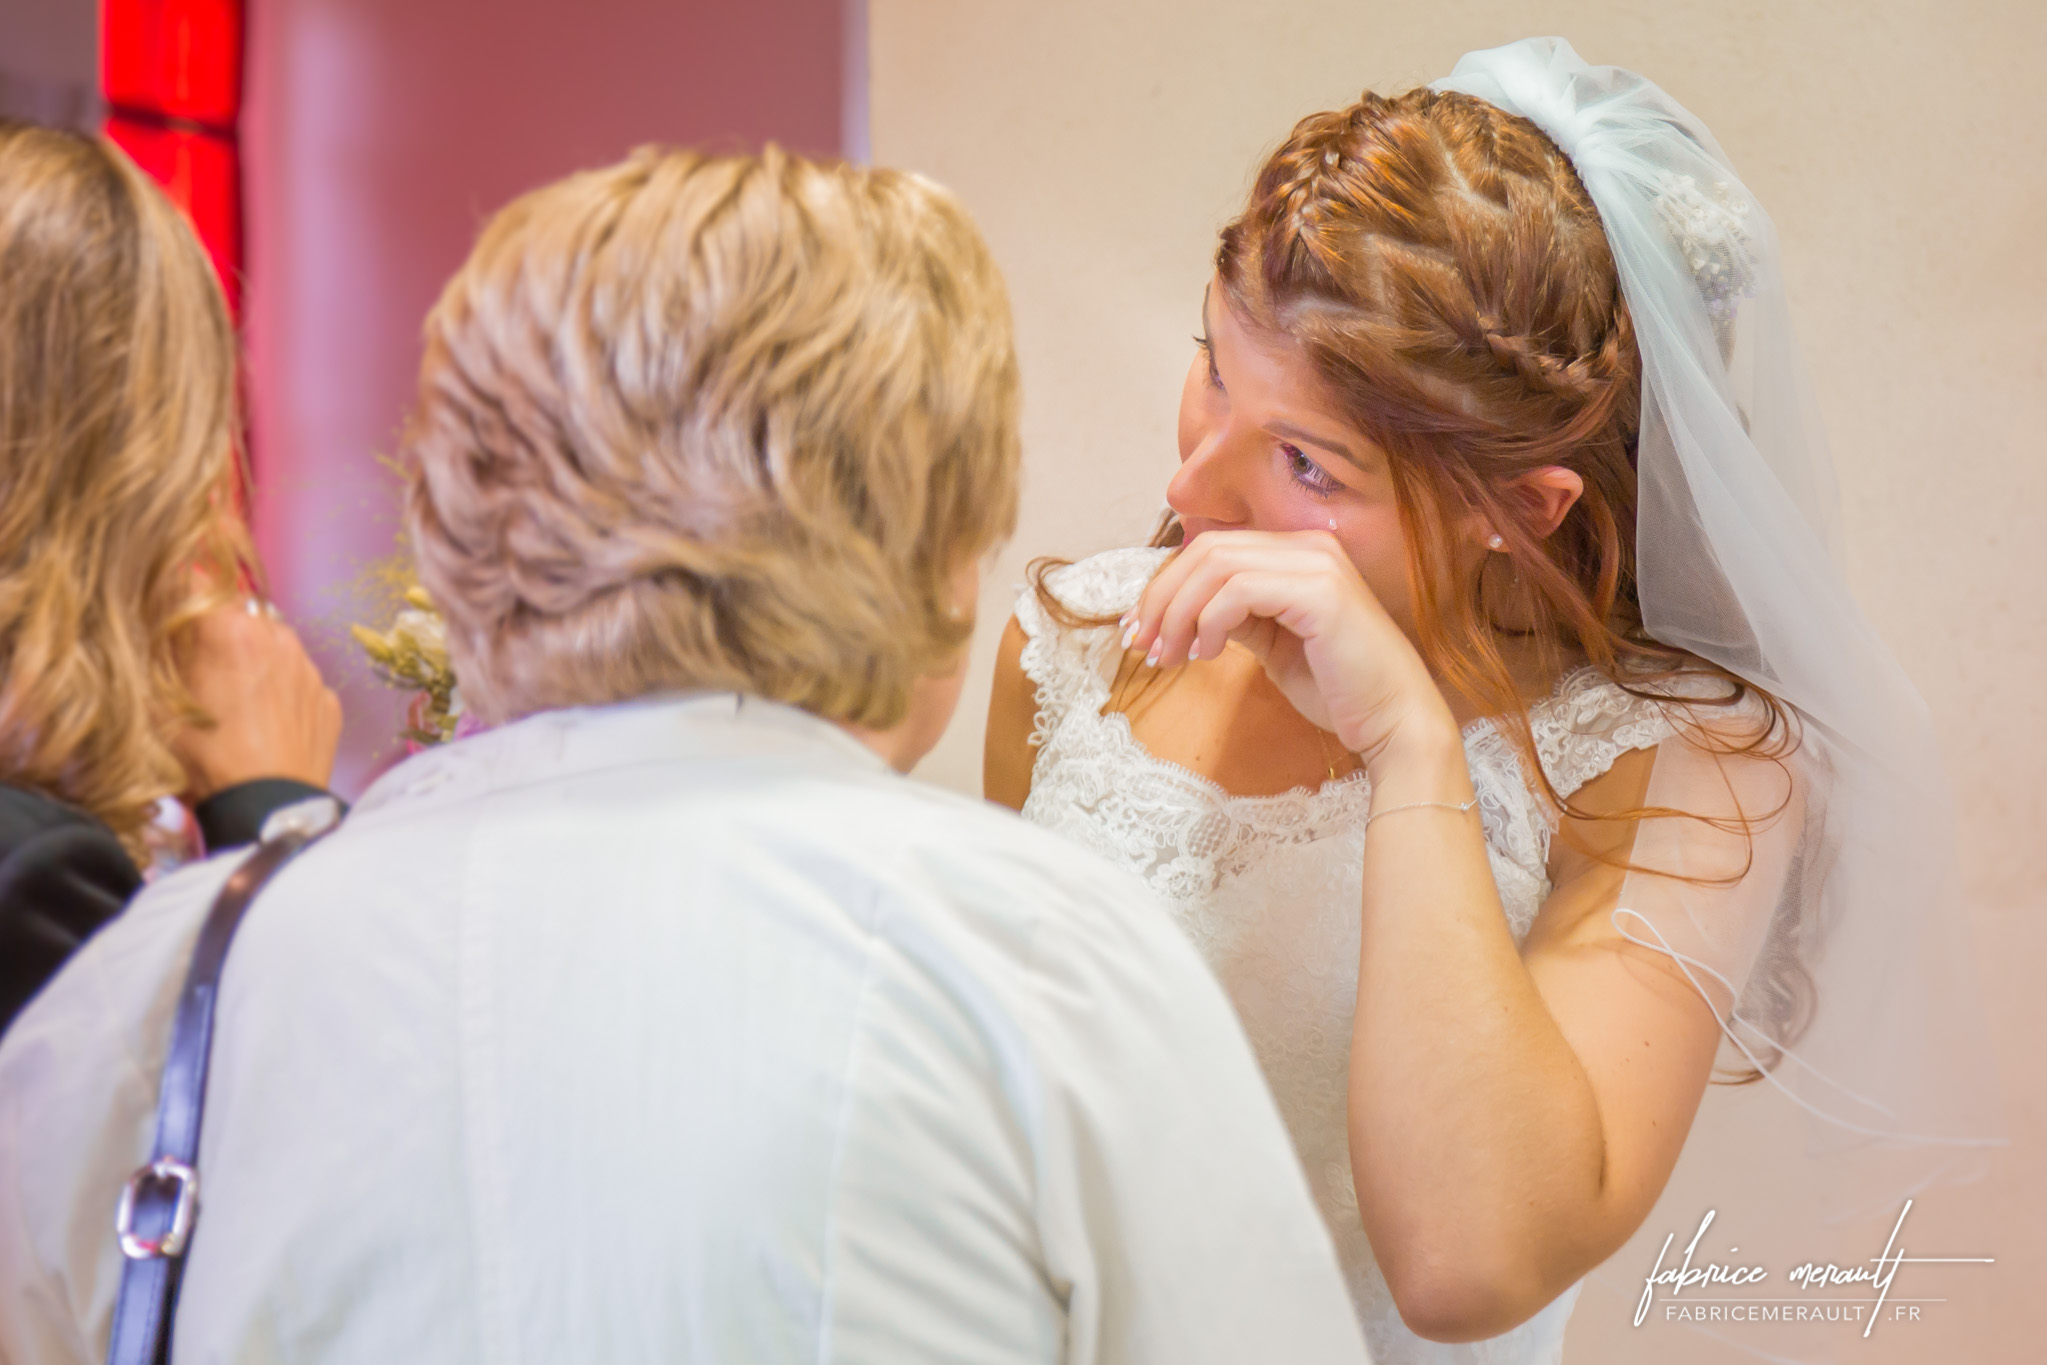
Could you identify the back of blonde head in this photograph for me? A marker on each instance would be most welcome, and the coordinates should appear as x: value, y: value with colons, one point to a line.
x: 117, y: 466
x: 714, y: 422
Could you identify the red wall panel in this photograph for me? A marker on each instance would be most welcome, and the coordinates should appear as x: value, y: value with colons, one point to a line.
x: 181, y: 59
x: 171, y: 72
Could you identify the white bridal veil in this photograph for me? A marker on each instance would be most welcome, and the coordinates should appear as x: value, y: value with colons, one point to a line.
x: 1854, y: 887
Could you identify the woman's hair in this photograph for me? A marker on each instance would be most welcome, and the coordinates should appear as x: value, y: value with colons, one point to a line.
x: 714, y: 422
x: 118, y: 474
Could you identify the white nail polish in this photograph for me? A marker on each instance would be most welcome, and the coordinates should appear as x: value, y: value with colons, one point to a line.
x: 1158, y: 647
x: 1194, y: 651
x: 1129, y: 634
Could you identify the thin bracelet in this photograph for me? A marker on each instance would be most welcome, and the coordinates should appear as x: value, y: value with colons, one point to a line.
x: 1422, y: 805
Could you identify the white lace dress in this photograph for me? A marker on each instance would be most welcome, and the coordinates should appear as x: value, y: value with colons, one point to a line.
x: 1269, y: 888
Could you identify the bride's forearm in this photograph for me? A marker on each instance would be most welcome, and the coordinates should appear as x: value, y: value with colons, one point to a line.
x: 1476, y: 1142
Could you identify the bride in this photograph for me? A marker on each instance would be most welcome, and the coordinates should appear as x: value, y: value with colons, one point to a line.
x: 1500, y: 532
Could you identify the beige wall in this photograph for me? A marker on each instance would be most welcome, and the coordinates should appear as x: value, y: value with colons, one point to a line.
x: 1901, y: 148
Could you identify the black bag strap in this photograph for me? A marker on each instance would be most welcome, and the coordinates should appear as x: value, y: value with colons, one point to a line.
x: 161, y: 1200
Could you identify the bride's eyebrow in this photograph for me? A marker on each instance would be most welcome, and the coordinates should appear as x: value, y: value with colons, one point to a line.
x: 1286, y: 429
x: 1300, y: 437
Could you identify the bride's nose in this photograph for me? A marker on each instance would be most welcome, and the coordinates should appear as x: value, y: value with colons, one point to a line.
x: 1207, y: 487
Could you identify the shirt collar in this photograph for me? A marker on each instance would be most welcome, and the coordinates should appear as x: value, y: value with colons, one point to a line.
x: 695, y: 725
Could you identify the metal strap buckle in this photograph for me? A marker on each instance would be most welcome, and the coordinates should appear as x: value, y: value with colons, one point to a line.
x: 167, y: 1170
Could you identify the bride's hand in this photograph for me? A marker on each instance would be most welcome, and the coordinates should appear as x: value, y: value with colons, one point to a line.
x: 1296, y: 601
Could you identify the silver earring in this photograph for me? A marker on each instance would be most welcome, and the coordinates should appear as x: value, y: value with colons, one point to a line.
x: 1332, y: 523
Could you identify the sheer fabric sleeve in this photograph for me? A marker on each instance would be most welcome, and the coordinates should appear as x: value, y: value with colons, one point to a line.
x: 1713, y: 881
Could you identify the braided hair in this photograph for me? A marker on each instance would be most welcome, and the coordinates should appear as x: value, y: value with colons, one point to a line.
x: 1447, y: 274
x: 1442, y: 267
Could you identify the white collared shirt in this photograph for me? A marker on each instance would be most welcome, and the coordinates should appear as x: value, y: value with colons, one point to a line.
x: 673, y: 1031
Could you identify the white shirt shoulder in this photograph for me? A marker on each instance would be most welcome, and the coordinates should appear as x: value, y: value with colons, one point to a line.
x: 683, y: 1025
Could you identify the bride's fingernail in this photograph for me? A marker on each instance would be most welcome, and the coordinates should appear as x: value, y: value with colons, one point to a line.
x: 1194, y: 650
x: 1129, y: 633
x: 1158, y: 647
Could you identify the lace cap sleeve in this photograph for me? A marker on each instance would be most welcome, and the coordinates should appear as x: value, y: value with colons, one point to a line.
x: 1065, y: 662
x: 1588, y: 724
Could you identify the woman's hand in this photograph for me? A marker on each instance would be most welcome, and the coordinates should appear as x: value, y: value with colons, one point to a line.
x: 273, y: 715
x: 1298, y: 603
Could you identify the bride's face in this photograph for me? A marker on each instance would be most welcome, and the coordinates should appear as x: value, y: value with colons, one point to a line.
x: 1264, y: 447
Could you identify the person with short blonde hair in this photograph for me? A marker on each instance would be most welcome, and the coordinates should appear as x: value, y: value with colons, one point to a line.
x: 662, y: 1021
x: 761, y: 470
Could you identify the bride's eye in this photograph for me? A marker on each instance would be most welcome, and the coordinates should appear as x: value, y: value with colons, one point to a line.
x: 1307, y: 473
x: 1208, y: 354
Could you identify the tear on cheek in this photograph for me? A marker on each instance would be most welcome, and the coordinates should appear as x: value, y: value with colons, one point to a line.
x: 1316, y: 517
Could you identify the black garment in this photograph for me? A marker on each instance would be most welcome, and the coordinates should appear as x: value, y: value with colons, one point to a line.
x: 63, y: 874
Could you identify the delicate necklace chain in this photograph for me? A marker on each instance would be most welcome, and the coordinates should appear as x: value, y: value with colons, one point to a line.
x: 1323, y: 737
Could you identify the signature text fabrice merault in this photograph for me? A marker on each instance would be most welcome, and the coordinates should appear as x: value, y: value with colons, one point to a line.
x: 1809, y: 1276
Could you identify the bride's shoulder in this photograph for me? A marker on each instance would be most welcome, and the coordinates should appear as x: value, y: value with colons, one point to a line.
x: 1102, y: 585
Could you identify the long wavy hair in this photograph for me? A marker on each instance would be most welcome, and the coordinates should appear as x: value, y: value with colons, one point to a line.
x: 119, y: 464
x: 1440, y: 265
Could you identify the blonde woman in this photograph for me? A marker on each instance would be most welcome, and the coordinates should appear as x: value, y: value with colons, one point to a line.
x: 132, y: 666
x: 664, y: 1020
